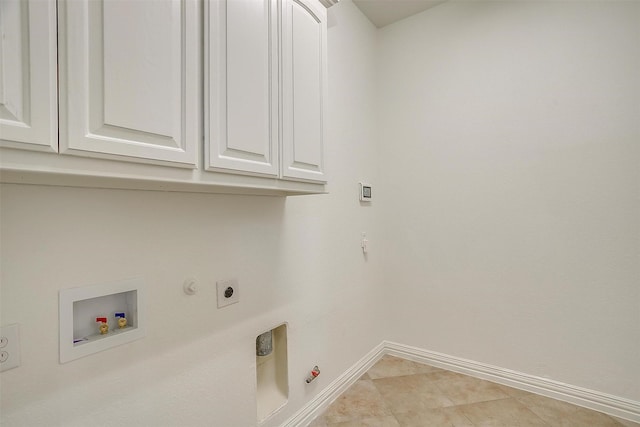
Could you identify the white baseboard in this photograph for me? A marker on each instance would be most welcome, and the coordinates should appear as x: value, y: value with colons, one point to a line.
x: 319, y: 403
x: 602, y: 402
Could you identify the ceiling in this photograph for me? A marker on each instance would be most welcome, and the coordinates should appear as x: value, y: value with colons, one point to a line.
x: 385, y: 12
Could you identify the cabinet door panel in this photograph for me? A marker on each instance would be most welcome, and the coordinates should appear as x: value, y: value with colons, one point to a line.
x: 133, y: 87
x: 129, y: 80
x: 28, y: 91
x: 242, y: 110
x: 304, y: 74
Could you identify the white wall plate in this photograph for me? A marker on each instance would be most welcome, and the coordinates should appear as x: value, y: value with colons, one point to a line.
x: 79, y: 307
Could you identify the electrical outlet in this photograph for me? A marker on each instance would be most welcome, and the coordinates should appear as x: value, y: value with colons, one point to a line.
x: 228, y: 292
x: 9, y: 347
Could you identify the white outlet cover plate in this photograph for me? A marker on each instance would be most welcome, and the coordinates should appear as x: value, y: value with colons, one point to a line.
x: 223, y: 285
x: 365, y: 192
x: 10, y: 342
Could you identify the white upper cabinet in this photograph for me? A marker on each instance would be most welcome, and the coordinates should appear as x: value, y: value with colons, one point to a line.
x: 129, y: 80
x: 304, y: 43
x: 28, y: 92
x: 220, y: 96
x: 241, y: 93
x: 265, y: 87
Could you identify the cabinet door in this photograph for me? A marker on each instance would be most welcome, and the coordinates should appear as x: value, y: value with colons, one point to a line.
x: 241, y: 108
x: 28, y: 92
x: 129, y: 80
x: 304, y: 89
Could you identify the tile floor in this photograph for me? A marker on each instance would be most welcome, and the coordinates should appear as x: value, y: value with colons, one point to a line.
x: 397, y: 392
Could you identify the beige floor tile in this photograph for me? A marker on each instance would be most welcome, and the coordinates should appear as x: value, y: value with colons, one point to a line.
x: 390, y: 366
x: 361, y: 400
x: 400, y: 403
x: 388, y: 421
x: 504, y: 412
x: 320, y: 421
x: 626, y: 423
x: 514, y: 392
x: 463, y: 390
x: 546, y: 408
x: 443, y: 375
x: 411, y: 393
x: 559, y: 413
x: 397, y: 392
x: 584, y: 417
x: 405, y: 384
x: 446, y: 417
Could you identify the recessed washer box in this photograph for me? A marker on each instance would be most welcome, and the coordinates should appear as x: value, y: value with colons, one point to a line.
x: 79, y: 307
x: 272, y: 376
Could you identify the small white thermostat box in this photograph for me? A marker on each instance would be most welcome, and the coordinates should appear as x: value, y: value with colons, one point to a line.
x: 365, y: 192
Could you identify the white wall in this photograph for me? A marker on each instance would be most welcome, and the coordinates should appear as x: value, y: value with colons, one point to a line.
x: 510, y: 193
x: 298, y: 260
x: 511, y: 186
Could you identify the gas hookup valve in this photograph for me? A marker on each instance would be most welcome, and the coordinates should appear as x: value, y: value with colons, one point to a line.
x: 313, y: 374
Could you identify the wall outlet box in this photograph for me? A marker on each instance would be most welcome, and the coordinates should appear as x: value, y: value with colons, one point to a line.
x: 9, y: 347
x: 228, y: 292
